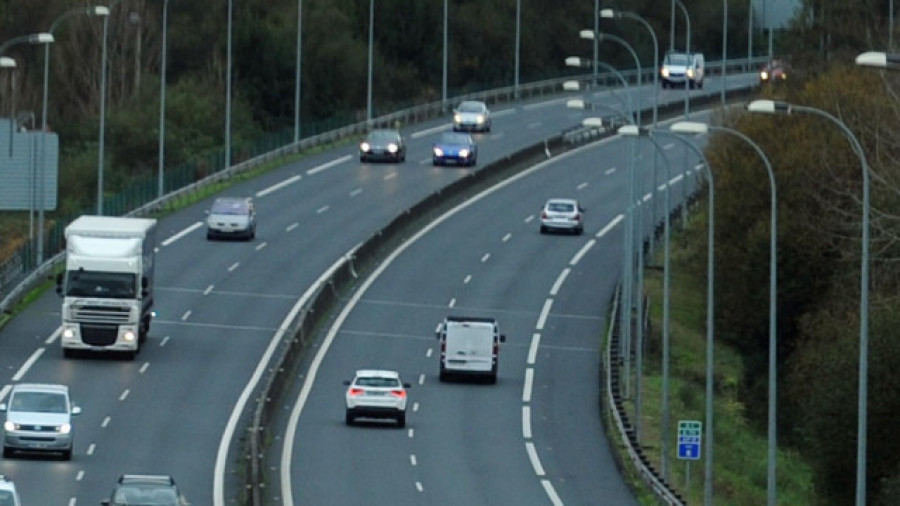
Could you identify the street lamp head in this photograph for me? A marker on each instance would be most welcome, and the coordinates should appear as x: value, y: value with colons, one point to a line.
x: 575, y: 104
x: 571, y: 86
x: 769, y: 107
x: 608, y: 13
x: 689, y: 127
x: 40, y: 38
x: 633, y: 131
x: 574, y: 61
x: 878, y: 59
x: 592, y: 122
x: 586, y: 34
x: 7, y: 62
x: 98, y: 10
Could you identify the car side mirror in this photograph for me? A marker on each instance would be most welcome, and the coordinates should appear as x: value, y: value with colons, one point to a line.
x: 76, y: 410
x: 407, y: 385
x: 346, y: 383
x: 502, y: 338
x: 2, y: 407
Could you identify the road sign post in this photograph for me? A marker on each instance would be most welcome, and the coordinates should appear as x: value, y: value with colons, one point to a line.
x: 690, y: 434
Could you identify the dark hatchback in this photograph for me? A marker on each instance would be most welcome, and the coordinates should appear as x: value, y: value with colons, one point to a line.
x: 383, y: 144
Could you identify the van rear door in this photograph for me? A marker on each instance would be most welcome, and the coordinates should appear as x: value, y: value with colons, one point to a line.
x: 469, y: 347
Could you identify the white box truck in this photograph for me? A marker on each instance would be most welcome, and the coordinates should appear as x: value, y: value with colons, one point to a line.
x: 470, y: 346
x: 107, y: 287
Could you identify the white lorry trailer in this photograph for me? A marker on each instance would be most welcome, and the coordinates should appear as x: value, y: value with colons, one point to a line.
x: 107, y: 287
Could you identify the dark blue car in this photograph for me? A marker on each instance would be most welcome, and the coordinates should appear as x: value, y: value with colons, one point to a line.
x: 456, y: 148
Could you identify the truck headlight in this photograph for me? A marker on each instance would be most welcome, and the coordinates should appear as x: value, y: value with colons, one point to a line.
x: 128, y: 335
x: 68, y: 332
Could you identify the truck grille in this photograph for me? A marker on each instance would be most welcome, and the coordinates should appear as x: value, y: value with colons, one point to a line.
x: 102, y: 314
x: 99, y: 334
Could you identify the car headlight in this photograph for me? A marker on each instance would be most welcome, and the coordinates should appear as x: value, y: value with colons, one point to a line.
x: 65, y: 428
x: 9, y: 426
x: 689, y: 73
x: 783, y: 76
x: 365, y: 146
x: 664, y: 72
x: 438, y: 152
x: 763, y: 75
x: 480, y: 119
x: 457, y: 118
x: 464, y: 153
x: 128, y: 335
x: 392, y: 148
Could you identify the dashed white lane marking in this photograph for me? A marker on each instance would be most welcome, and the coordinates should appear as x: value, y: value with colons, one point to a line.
x: 485, y: 257
x: 527, y: 385
x: 328, y: 165
x: 105, y: 422
x: 390, y: 176
x: 452, y: 302
x: 186, y: 315
x: 529, y: 219
x: 80, y: 475
x: 542, y: 319
x: 582, y: 186
x: 419, y: 486
x: 526, y: 422
x: 4, y: 391
x: 164, y: 341
x: 429, y: 131
x: 533, y: 349
x: 583, y: 251
x: 551, y: 493
x: 91, y: 448
x: 410, y: 433
x: 356, y: 192
x: 181, y: 234
x: 71, y: 501
x: 415, y: 407
x: 467, y: 279
x: 412, y: 460
x: 233, y: 266
x: 429, y: 352
x: 277, y: 186
x: 144, y: 367
x: 609, y: 171
x: 261, y: 245
x: 669, y: 146
x: 322, y: 209
x: 533, y: 457
x: 124, y: 394
x: 208, y: 289
x: 421, y: 379
x: 54, y: 336
x: 648, y: 196
x: 292, y: 226
x: 28, y: 363
x: 559, y: 281
x: 507, y: 237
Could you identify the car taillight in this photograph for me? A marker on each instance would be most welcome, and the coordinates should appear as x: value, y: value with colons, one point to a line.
x: 356, y: 391
x: 544, y: 215
x: 443, y: 346
x: 496, y: 349
x: 578, y: 217
x: 398, y: 393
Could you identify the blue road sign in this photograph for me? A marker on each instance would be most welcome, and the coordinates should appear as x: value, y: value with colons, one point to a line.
x: 690, y: 434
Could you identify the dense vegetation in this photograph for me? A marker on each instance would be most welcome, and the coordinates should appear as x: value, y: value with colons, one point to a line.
x: 818, y: 175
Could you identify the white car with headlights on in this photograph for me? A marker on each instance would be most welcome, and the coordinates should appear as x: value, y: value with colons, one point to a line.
x: 38, y: 418
x: 472, y: 116
x: 374, y: 393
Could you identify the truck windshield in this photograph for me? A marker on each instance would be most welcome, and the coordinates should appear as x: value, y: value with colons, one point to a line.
x: 114, y: 285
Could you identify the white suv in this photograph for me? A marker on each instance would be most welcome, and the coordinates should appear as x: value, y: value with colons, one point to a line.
x: 564, y: 215
x: 376, y: 394
x: 38, y: 418
x: 8, y: 494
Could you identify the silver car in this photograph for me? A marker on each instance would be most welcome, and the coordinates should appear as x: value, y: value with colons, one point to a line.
x: 472, y: 116
x: 8, y: 494
x: 562, y: 215
x: 231, y: 217
x: 38, y: 418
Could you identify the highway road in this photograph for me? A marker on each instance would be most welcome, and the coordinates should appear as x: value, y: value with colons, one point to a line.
x: 219, y: 304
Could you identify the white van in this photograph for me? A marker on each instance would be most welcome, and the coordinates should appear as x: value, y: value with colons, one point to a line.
x: 696, y: 71
x: 469, y: 346
x: 683, y: 69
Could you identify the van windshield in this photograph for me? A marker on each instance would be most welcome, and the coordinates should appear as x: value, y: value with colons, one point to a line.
x: 677, y: 59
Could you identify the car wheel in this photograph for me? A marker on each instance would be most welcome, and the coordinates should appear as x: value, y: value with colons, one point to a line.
x: 7, y: 452
x: 67, y: 454
x: 348, y: 418
x: 543, y: 229
x: 401, y: 420
x: 442, y: 376
x: 492, y: 379
x: 579, y: 230
x: 435, y: 163
x: 209, y: 236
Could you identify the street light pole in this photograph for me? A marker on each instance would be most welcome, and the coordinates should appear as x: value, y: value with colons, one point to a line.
x: 444, y: 68
x: 771, y: 107
x: 162, y: 102
x: 518, y: 39
x: 371, y: 56
x: 297, y: 72
x: 724, y: 45
x: 228, y: 87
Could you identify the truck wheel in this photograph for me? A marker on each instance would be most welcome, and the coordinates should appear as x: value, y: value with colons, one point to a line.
x: 68, y: 353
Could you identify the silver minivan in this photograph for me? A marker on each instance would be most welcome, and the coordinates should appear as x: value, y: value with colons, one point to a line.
x: 470, y: 346
x: 38, y: 418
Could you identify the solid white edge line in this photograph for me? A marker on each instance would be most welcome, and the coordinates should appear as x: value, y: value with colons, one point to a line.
x: 293, y: 421
x: 532, y: 350
x: 542, y: 319
x: 181, y: 234
x: 533, y: 457
x: 4, y: 391
x: 526, y: 385
x: 261, y: 367
x: 583, y: 251
x: 54, y: 336
x: 559, y: 281
x: 328, y: 165
x: 609, y: 226
x: 526, y: 422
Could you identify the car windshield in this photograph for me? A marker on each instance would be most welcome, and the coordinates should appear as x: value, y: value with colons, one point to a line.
x: 375, y: 381
x: 560, y: 207
x: 6, y: 498
x: 382, y: 135
x: 677, y: 59
x: 113, y: 285
x: 145, y: 496
x: 230, y: 206
x: 453, y: 138
x: 470, y: 107
x: 38, y: 402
